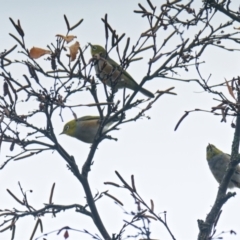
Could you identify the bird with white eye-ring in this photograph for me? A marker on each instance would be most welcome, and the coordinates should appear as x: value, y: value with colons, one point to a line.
x: 85, y: 128
x: 112, y: 74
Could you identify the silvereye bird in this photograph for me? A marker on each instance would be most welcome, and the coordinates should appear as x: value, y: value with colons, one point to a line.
x: 112, y: 74
x: 85, y: 128
x: 218, y: 163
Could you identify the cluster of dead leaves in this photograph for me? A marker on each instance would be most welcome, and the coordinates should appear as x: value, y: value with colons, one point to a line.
x: 36, y: 52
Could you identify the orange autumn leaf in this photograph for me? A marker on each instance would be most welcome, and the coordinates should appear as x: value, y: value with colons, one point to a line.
x: 74, y: 50
x: 67, y: 38
x: 230, y: 90
x: 38, y: 52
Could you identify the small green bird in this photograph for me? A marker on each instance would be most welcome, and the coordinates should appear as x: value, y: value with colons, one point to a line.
x: 85, y: 128
x: 112, y: 74
x: 218, y: 163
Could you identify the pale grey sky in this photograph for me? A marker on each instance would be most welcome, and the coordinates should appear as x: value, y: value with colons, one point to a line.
x: 169, y: 167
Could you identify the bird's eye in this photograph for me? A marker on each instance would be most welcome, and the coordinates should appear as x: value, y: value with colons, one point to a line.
x: 94, y: 48
x: 66, y: 128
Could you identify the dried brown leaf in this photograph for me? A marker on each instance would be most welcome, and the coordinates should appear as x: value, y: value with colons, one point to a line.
x: 220, y: 106
x: 74, y: 50
x: 36, y: 52
x: 230, y: 90
x: 67, y: 38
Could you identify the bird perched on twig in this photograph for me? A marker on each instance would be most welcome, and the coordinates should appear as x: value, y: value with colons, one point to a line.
x: 218, y: 163
x: 85, y: 128
x: 112, y: 74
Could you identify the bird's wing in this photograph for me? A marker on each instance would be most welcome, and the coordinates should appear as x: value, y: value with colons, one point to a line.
x: 237, y: 171
x: 113, y: 63
x: 87, y: 118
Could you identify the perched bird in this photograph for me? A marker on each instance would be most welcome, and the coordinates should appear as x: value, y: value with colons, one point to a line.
x: 112, y: 74
x: 85, y: 128
x: 218, y: 163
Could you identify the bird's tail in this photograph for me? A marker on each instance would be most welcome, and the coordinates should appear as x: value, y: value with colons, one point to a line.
x: 146, y: 92
x: 118, y: 118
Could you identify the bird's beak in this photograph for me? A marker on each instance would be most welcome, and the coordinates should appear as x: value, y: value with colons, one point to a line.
x: 61, y: 133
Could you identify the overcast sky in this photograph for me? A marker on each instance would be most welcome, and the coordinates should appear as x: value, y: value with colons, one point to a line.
x: 169, y: 167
